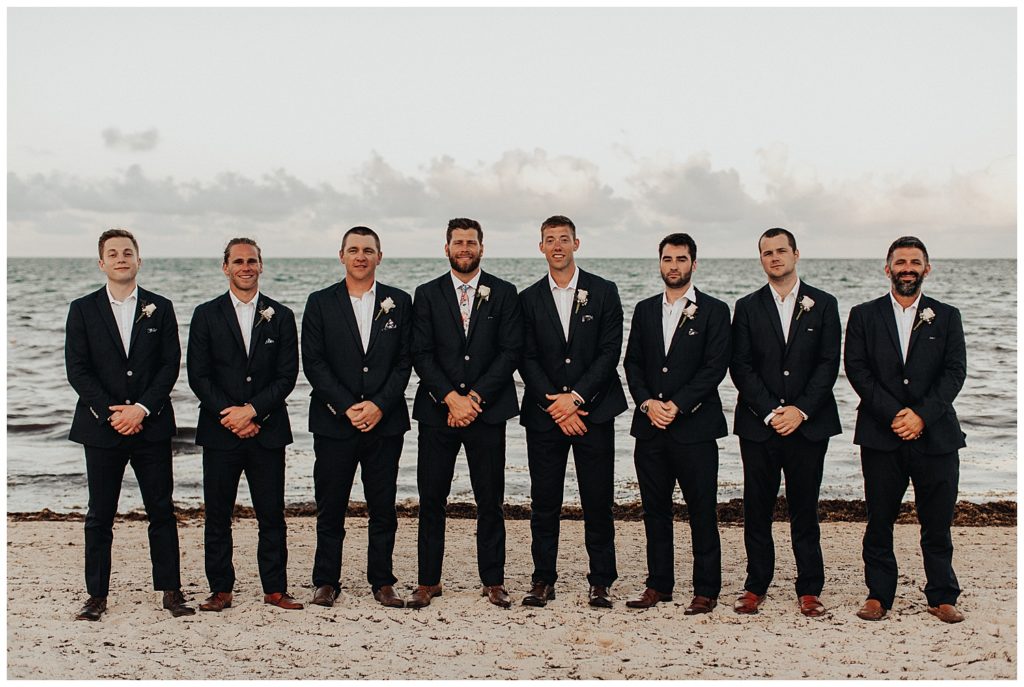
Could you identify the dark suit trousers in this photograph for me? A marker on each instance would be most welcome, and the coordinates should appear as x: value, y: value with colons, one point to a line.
x: 936, y: 479
x: 661, y: 462
x: 333, y: 474
x: 802, y: 461
x: 594, y: 455
x: 485, y: 454
x: 264, y: 471
x: 104, y: 468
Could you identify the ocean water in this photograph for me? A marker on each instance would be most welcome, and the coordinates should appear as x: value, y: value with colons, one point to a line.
x: 45, y: 470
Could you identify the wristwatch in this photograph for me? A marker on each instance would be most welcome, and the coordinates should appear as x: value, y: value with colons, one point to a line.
x: 644, y: 406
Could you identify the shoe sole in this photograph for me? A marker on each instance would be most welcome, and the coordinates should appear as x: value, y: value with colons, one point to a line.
x: 214, y: 610
x: 85, y: 617
x: 951, y: 622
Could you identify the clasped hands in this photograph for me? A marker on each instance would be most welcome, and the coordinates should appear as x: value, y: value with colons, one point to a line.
x: 364, y: 415
x: 661, y: 413
x: 127, y: 419
x: 239, y: 419
x: 907, y: 424
x: 786, y: 419
x: 566, y: 414
x: 462, y: 410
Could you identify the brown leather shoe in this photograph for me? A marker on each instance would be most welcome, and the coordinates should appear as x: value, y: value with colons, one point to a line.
x: 421, y: 596
x: 748, y: 603
x: 599, y: 597
x: 497, y: 595
x: 540, y: 594
x: 872, y: 610
x: 174, y: 601
x: 947, y: 613
x: 94, y: 607
x: 386, y: 596
x: 282, y: 600
x: 217, y: 601
x: 325, y: 595
x: 648, y: 599
x: 700, y: 604
x: 811, y: 606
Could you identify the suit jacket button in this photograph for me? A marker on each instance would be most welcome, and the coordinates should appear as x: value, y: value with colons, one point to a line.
x: 905, y: 381
x: 782, y: 401
x: 467, y: 357
x: 785, y: 373
x: 129, y: 373
x: 127, y: 401
x: 568, y: 361
x: 664, y: 369
x: 248, y: 379
x: 462, y: 386
x: 659, y: 395
x: 565, y: 388
x: 366, y: 369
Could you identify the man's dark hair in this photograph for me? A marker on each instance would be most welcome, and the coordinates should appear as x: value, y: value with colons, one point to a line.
x: 906, y: 242
x: 115, y: 234
x: 679, y: 240
x: 361, y: 231
x: 557, y: 221
x: 776, y: 231
x: 242, y: 241
x: 464, y: 223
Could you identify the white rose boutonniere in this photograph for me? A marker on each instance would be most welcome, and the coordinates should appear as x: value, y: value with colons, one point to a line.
x: 926, y: 316
x: 483, y: 293
x: 386, y: 306
x: 147, y: 310
x: 265, y: 314
x: 689, y: 312
x: 581, y: 298
x: 805, y: 303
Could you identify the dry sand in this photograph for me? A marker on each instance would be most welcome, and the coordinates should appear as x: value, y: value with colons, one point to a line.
x: 461, y: 636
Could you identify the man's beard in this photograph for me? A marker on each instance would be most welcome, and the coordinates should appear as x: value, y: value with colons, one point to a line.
x: 907, y: 288
x: 679, y: 282
x: 474, y: 262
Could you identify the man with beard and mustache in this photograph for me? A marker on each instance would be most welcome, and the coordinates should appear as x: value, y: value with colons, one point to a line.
x: 907, y: 360
x: 467, y: 339
x: 677, y: 354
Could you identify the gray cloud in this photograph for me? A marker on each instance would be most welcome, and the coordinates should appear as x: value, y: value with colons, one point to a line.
x: 138, y: 141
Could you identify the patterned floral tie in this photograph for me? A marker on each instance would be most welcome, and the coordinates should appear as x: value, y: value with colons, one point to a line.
x: 464, y: 307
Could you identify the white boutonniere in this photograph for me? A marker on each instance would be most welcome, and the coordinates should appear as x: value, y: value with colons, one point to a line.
x: 926, y: 316
x: 482, y: 294
x: 265, y: 315
x: 581, y: 298
x: 386, y: 306
x: 689, y: 312
x: 805, y: 303
x: 147, y: 310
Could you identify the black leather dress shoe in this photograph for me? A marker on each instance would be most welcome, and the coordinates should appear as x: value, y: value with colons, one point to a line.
x: 599, y: 597
x: 93, y: 608
x: 174, y: 601
x: 540, y: 594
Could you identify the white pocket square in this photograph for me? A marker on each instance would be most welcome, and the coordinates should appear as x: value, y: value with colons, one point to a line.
x: 268, y: 341
x: 390, y: 325
x: 151, y: 330
x: 588, y: 318
x: 691, y: 332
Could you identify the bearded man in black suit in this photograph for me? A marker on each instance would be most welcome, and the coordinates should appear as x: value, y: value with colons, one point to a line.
x: 243, y: 359
x: 467, y: 342
x: 907, y: 360
x: 785, y: 360
x: 122, y: 355
x: 677, y: 355
x: 573, y: 341
x: 356, y: 338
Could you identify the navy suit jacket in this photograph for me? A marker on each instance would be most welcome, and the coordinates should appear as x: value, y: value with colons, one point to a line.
x: 222, y: 373
x: 103, y: 375
x: 342, y: 374
x: 769, y: 371
x: 927, y: 382
x: 689, y: 375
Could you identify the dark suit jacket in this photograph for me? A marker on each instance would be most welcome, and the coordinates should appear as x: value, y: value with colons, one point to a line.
x: 585, y: 363
x: 223, y: 374
x: 103, y: 376
x: 689, y: 375
x: 446, y: 359
x: 927, y: 383
x: 342, y: 375
x: 770, y: 372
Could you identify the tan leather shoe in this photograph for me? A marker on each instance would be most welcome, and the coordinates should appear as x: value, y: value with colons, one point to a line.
x: 174, y: 601
x: 872, y: 610
x: 947, y: 613
x: 422, y: 595
x: 386, y: 596
x: 497, y: 595
x: 748, y: 603
x: 282, y: 600
x: 94, y: 607
x: 325, y: 595
x: 539, y: 595
x: 217, y: 602
x: 700, y: 604
x: 811, y: 606
x: 649, y: 599
x: 599, y: 597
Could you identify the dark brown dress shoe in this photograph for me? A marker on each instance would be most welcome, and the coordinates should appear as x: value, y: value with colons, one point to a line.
x: 872, y: 610
x: 216, y: 601
x: 947, y: 613
x: 325, y: 595
x: 174, y: 601
x: 648, y: 599
x: 497, y: 595
x: 811, y: 606
x: 422, y: 595
x: 599, y: 597
x: 700, y: 604
x: 94, y: 607
x: 386, y: 596
x: 748, y: 603
x: 539, y: 595
x: 282, y: 600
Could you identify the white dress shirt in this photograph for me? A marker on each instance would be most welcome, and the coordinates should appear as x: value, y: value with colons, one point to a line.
x: 363, y: 308
x: 246, y: 313
x: 785, y: 307
x: 670, y: 314
x: 905, y: 321
x: 124, y: 316
x: 564, y: 299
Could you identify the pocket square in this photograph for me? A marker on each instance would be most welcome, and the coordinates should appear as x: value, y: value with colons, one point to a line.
x: 692, y: 332
x: 810, y: 329
x: 390, y: 325
x: 587, y: 318
x: 268, y: 341
x: 151, y: 330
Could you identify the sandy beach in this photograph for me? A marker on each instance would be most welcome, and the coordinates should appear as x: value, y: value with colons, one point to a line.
x: 461, y: 636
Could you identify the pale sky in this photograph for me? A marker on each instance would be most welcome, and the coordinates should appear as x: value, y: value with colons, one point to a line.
x: 849, y: 127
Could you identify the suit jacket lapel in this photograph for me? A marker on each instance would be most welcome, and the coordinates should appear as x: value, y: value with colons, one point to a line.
x: 680, y: 326
x: 227, y: 309
x: 575, y: 310
x: 915, y: 330
x: 107, y: 315
x: 477, y: 306
x: 257, y: 323
x: 137, y: 320
x: 348, y: 314
x: 889, y: 317
x: 547, y: 300
x: 771, y: 311
x: 448, y: 296
x: 376, y: 324
x: 793, y: 328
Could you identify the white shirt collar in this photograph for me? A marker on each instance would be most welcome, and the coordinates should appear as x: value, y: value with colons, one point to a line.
x: 791, y: 294
x: 691, y: 293
x: 133, y: 294
x: 572, y: 282
x: 900, y: 308
x: 235, y: 301
x: 372, y: 291
x: 473, y: 283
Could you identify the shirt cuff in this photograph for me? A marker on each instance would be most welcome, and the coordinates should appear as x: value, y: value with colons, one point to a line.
x: 144, y: 408
x: 768, y: 418
x: 580, y: 398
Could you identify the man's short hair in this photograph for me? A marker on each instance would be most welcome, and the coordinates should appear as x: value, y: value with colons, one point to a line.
x: 115, y: 234
x: 777, y: 231
x: 464, y: 223
x: 906, y: 242
x: 242, y: 241
x: 557, y: 221
x: 679, y: 240
x: 361, y: 231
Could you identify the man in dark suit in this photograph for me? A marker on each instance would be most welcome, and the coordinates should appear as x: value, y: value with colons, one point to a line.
x: 573, y: 341
x: 907, y: 360
x: 243, y: 359
x: 785, y: 360
x: 122, y: 355
x: 467, y: 342
x: 677, y: 354
x: 356, y: 353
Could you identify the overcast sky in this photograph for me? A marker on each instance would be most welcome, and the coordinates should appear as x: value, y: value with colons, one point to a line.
x: 848, y: 126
